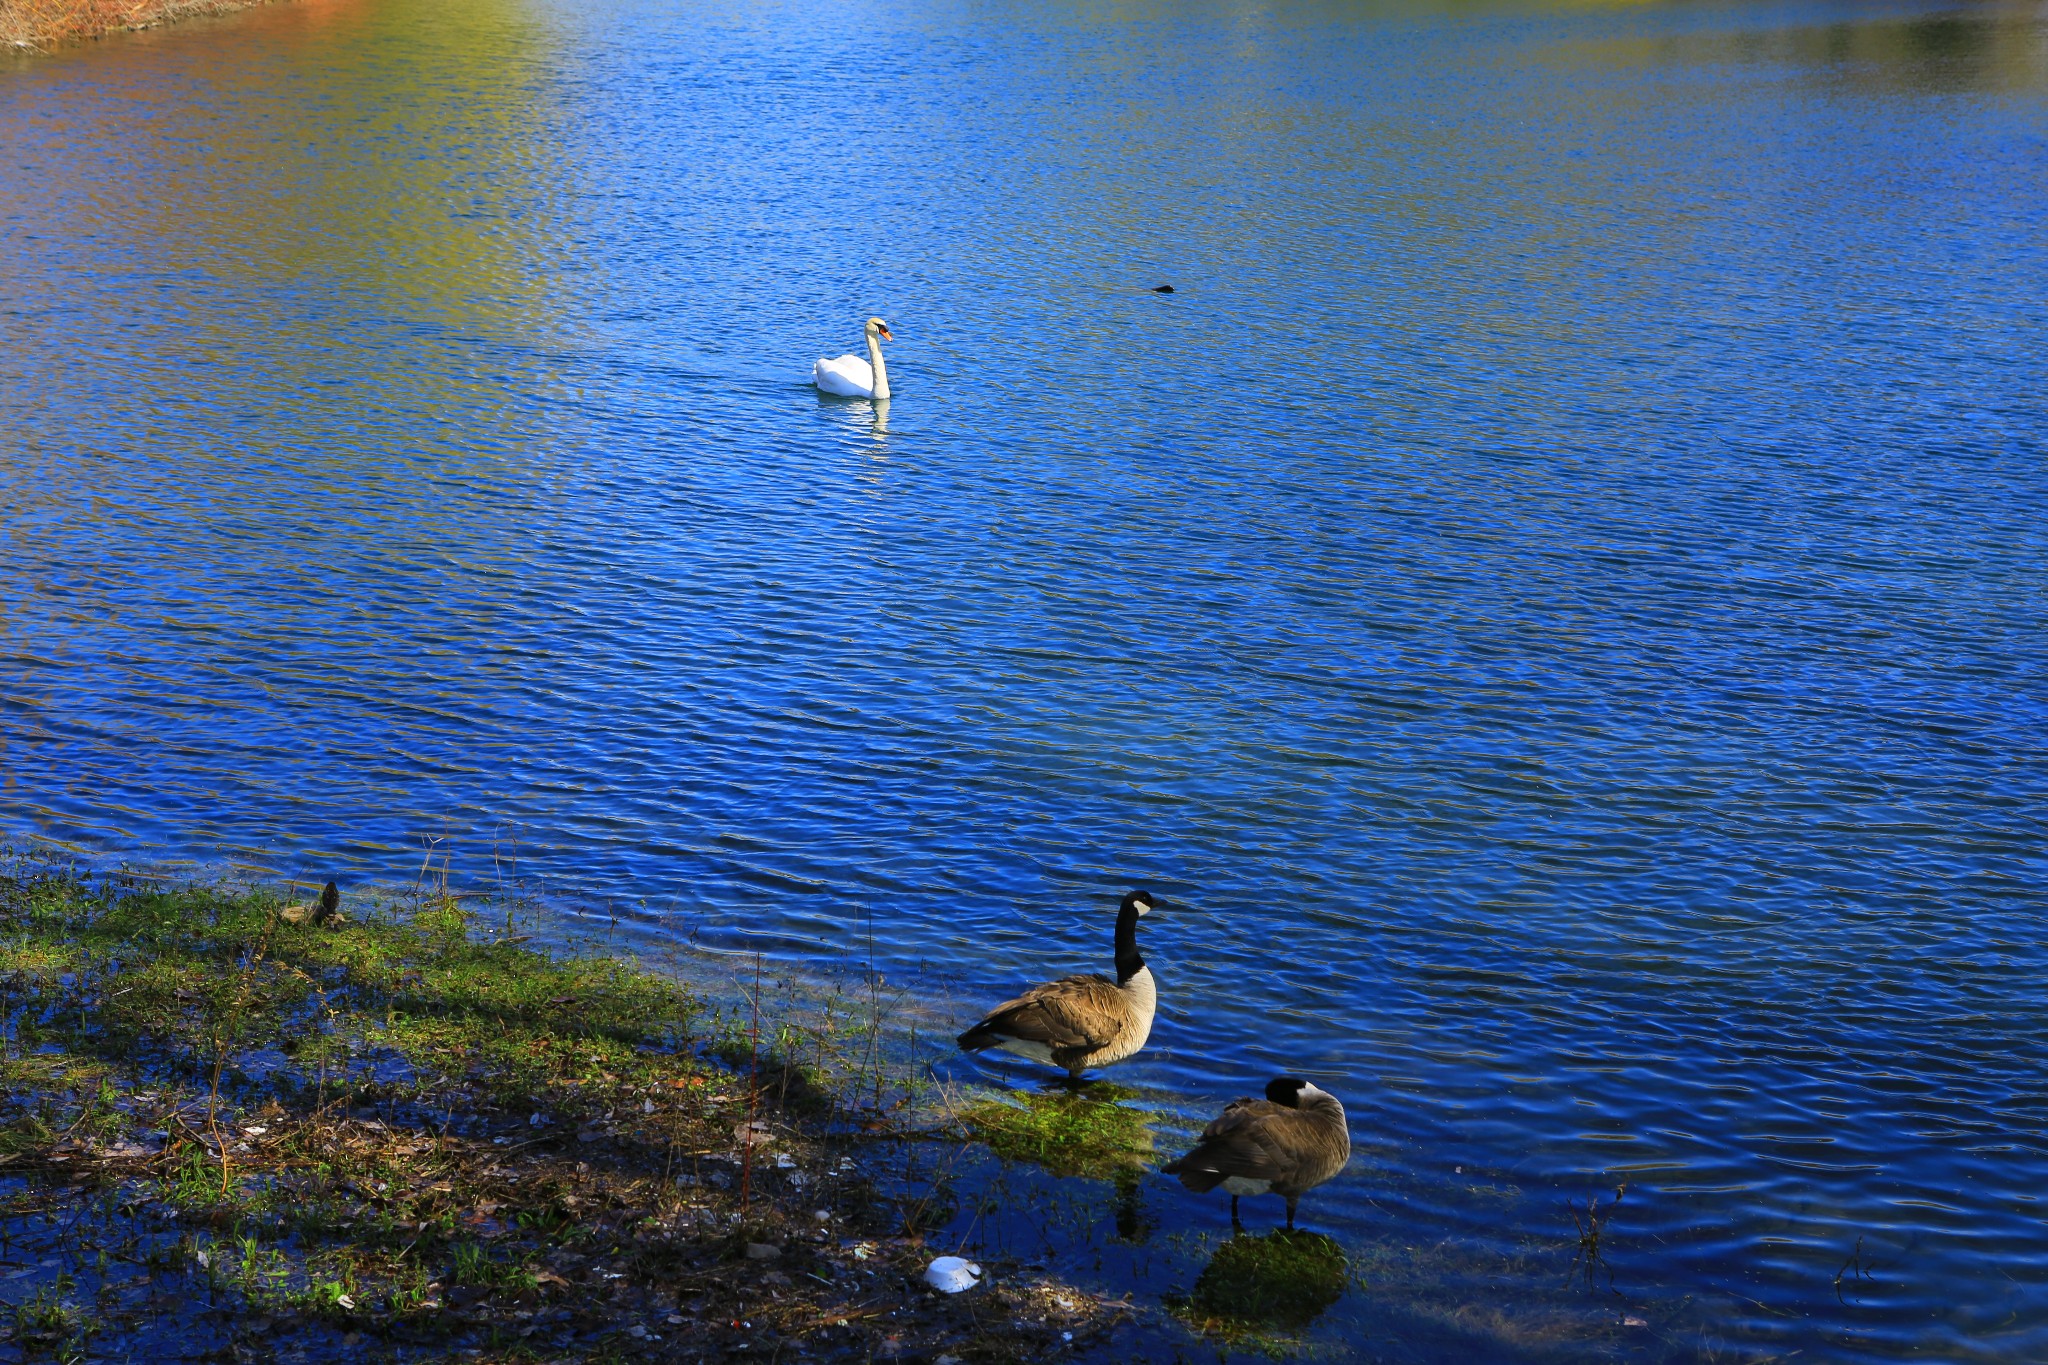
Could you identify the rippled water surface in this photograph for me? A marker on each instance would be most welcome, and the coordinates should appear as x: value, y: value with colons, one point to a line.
x: 1555, y: 596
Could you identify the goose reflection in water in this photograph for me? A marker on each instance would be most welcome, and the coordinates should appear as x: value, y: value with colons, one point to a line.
x: 1133, y: 1225
x: 1277, y: 1283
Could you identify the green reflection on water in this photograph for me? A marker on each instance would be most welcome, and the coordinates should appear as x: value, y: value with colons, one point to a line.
x: 250, y: 174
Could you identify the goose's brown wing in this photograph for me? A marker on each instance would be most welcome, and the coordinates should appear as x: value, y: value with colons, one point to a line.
x: 1236, y: 1143
x: 1074, y: 1012
x: 1238, y: 1114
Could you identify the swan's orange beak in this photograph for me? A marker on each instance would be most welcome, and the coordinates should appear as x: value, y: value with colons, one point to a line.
x: 886, y: 335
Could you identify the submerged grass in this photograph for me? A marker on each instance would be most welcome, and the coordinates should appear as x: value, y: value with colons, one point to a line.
x: 1093, y: 1133
x: 217, y: 1124
x: 1262, y: 1292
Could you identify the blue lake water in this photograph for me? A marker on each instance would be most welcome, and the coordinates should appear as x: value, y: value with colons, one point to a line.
x: 1555, y: 596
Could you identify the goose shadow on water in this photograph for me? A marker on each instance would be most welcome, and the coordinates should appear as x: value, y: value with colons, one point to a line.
x: 1274, y: 1285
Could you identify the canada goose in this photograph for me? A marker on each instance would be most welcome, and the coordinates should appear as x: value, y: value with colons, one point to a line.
x: 1286, y: 1144
x: 328, y: 907
x: 1080, y: 1021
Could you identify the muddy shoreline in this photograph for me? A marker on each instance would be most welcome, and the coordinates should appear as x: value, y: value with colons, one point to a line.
x: 231, y: 1131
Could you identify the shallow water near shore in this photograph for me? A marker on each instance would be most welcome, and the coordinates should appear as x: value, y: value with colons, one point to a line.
x: 1553, y: 598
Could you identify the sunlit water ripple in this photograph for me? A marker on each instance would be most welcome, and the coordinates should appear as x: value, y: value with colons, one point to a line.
x: 1554, y: 596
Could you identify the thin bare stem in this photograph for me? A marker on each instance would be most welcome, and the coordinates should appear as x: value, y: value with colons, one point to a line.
x: 753, y: 1089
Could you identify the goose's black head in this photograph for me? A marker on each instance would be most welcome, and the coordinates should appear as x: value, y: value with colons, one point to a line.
x: 1139, y: 901
x: 1287, y: 1090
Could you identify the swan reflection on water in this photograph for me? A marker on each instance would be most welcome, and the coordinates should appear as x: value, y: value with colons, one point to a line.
x: 1278, y: 1283
x: 868, y: 419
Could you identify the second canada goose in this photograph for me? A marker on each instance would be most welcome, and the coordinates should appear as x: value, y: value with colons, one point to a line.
x: 1080, y: 1021
x: 1286, y: 1144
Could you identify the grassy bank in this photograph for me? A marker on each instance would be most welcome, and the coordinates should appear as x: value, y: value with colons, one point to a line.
x: 36, y: 24
x: 406, y: 1134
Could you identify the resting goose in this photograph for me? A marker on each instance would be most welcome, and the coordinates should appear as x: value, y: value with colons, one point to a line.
x: 1080, y: 1021
x: 1286, y: 1144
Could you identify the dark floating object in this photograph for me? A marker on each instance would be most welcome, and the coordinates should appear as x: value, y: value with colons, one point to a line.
x: 1162, y: 289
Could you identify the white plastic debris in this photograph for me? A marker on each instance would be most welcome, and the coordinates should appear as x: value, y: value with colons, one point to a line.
x: 951, y: 1274
x: 784, y: 1161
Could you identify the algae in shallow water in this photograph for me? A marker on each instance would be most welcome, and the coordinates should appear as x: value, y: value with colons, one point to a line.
x: 1090, y: 1134
x: 1255, y: 1286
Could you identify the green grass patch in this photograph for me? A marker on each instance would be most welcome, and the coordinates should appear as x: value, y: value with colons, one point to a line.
x: 1089, y: 1134
x: 193, y: 981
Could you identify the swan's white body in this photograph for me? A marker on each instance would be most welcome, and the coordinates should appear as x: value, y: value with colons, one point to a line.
x: 851, y: 377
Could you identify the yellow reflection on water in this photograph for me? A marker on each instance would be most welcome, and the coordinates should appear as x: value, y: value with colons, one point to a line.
x: 353, y: 146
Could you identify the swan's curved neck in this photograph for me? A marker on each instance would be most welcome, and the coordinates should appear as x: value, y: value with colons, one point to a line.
x: 881, y: 371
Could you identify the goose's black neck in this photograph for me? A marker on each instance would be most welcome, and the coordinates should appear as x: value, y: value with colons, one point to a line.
x: 1128, y: 963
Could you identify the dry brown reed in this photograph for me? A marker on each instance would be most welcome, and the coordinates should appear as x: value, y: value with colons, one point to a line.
x: 38, y: 25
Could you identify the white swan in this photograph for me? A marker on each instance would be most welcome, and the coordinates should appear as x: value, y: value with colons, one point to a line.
x: 850, y: 376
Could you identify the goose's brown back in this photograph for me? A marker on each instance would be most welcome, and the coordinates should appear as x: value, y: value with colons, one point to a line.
x: 1293, y: 1149
x: 1080, y: 1021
